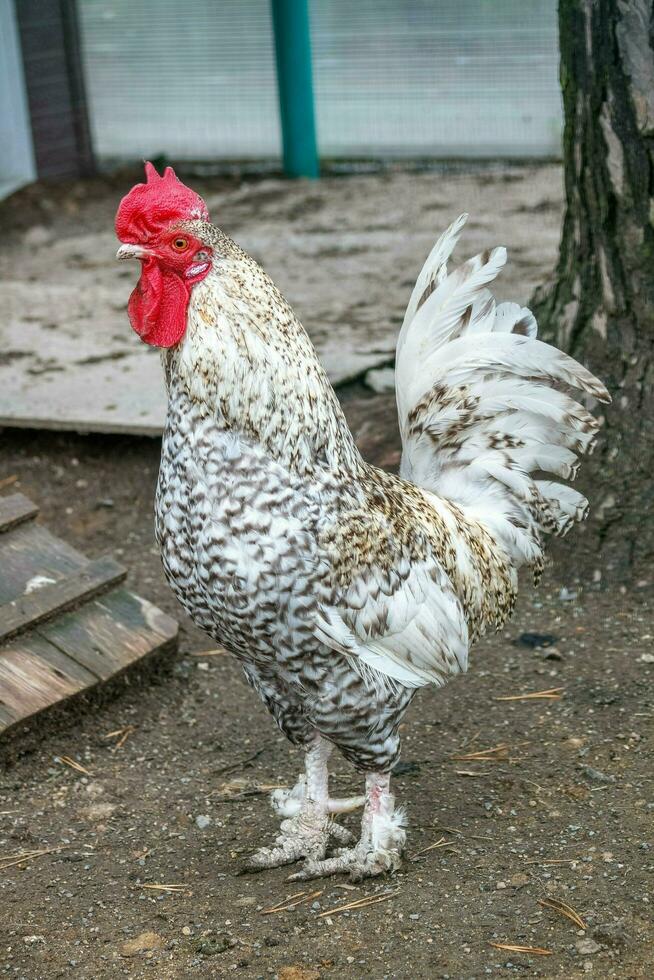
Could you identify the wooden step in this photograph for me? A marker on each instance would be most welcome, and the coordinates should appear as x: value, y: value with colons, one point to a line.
x: 15, y: 509
x: 66, y: 624
x: 43, y: 601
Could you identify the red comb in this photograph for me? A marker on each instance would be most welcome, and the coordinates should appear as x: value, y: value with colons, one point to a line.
x: 152, y: 206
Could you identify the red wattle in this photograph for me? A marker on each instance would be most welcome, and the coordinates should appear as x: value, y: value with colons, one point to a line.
x: 158, y: 305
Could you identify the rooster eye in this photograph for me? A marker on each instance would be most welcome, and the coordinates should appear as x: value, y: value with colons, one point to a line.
x: 180, y: 244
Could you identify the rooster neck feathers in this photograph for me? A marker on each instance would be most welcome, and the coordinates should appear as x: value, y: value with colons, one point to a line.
x: 246, y: 358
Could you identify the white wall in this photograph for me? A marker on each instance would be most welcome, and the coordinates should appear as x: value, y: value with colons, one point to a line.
x: 16, y: 150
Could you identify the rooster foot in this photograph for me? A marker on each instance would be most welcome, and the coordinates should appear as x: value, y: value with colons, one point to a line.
x: 305, y: 835
x: 358, y: 861
x: 380, y: 847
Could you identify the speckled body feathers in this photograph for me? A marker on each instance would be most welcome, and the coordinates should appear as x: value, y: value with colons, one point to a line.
x: 339, y: 587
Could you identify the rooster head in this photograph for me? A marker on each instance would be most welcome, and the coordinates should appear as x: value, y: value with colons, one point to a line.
x: 150, y: 224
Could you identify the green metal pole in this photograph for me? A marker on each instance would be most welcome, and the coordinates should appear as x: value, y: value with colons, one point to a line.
x: 294, y: 82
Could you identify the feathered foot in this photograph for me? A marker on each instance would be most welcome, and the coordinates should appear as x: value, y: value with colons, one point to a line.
x: 382, y: 839
x: 308, y: 827
x: 306, y: 835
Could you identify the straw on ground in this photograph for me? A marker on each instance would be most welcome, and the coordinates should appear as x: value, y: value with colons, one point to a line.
x: 72, y: 764
x: 512, y: 948
x: 552, y: 694
x: 563, y: 909
x: 361, y: 903
x: 299, y: 898
x: 11, y: 860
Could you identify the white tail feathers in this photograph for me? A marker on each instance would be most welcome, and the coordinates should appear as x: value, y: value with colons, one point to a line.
x: 480, y: 418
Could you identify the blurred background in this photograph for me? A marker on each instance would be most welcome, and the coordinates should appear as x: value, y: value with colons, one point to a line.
x: 102, y: 82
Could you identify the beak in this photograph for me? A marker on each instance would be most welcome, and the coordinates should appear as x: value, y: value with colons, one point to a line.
x: 133, y: 252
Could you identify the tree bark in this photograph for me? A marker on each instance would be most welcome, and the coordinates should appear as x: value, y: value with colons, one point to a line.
x: 600, y: 305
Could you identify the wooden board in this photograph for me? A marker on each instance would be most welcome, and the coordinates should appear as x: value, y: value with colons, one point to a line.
x: 35, y: 606
x: 15, y: 509
x: 65, y: 624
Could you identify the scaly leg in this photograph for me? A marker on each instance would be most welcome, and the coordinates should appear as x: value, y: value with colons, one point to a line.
x: 381, y: 844
x: 308, y: 826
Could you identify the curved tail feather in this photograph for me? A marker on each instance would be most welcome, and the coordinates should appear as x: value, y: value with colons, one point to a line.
x: 483, y: 409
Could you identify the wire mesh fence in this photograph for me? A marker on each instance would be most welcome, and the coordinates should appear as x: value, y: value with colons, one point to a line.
x: 195, y: 79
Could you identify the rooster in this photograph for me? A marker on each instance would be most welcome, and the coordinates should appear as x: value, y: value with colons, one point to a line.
x: 341, y: 588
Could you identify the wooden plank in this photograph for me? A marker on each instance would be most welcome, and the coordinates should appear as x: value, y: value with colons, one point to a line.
x: 15, y: 509
x: 30, y: 554
x: 7, y: 718
x: 64, y: 666
x: 66, y: 650
x: 29, y: 684
x: 108, y: 634
x: 140, y: 614
x: 33, y: 608
x: 39, y: 670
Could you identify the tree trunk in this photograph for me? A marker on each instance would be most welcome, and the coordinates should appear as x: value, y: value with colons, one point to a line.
x: 600, y: 305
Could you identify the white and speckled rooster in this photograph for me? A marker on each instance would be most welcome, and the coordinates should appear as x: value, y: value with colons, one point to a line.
x: 339, y: 587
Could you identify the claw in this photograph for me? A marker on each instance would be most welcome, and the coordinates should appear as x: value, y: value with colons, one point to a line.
x: 306, y: 835
x: 378, y: 851
x: 276, y: 857
x: 357, y: 861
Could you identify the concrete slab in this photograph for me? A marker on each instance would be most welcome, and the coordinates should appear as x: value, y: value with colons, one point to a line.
x: 344, y: 251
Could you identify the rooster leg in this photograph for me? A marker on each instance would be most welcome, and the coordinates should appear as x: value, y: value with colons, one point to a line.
x: 381, y: 844
x: 289, y: 802
x: 309, y: 826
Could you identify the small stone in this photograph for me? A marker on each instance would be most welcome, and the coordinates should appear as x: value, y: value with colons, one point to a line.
x: 519, y: 880
x: 587, y: 947
x: 536, y: 641
x: 203, y: 821
x: 186, y: 930
x: 567, y: 595
x: 500, y: 884
x: 646, y: 658
x: 596, y: 775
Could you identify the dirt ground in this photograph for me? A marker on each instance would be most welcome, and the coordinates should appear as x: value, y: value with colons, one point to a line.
x: 561, y: 810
